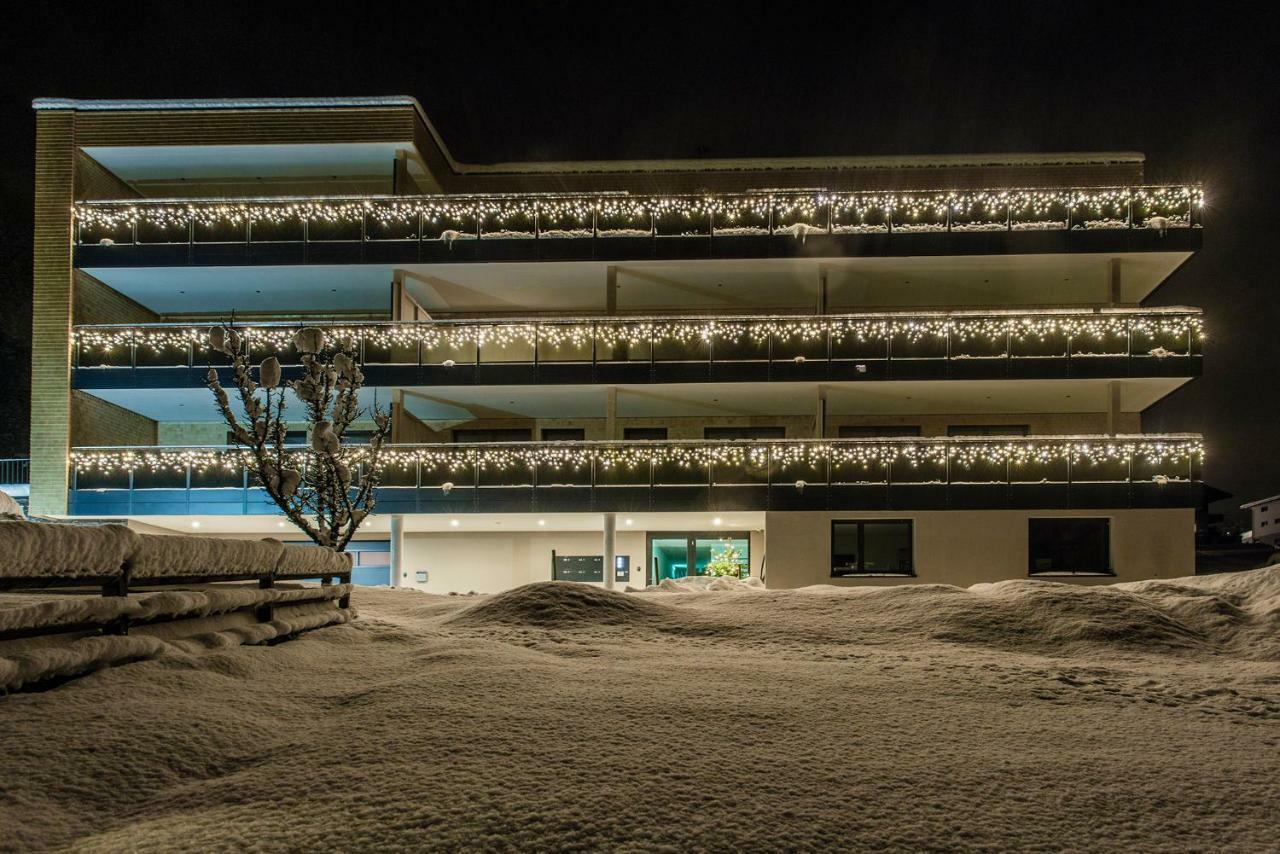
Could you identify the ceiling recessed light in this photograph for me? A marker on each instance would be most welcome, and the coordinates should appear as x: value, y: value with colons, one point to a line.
x: 717, y: 521
x: 279, y: 524
x: 453, y: 523
x: 195, y: 523
x: 542, y: 523
x: 627, y: 522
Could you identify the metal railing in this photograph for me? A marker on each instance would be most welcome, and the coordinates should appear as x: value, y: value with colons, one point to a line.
x: 795, y: 463
x: 15, y: 470
x: 860, y: 340
x: 797, y: 214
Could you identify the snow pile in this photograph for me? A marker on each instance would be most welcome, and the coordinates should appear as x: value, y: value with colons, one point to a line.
x: 806, y: 720
x: 32, y: 550
x: 27, y: 612
x: 10, y: 510
x: 311, y: 560
x: 703, y: 584
x: 560, y: 604
x: 35, y: 664
x: 160, y: 555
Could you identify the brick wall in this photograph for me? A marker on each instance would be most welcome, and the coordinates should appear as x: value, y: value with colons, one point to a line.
x: 94, y: 302
x: 51, y: 312
x: 94, y: 421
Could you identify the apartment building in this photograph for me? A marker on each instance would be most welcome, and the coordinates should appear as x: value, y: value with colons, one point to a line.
x: 836, y: 370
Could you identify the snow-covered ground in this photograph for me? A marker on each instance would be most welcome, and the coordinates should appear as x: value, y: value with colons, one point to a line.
x: 1022, y: 715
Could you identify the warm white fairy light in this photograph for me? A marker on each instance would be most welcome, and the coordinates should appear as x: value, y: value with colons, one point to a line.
x: 797, y: 212
x: 638, y: 456
x: 1144, y: 325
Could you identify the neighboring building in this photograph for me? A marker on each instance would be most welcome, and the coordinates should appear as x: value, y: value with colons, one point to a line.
x: 924, y: 369
x: 1265, y: 518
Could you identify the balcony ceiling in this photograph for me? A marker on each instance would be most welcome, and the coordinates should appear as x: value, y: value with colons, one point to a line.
x: 140, y: 165
x: 489, y: 523
x: 649, y: 286
x: 455, y: 405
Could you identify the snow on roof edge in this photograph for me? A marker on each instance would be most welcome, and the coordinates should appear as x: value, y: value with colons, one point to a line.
x: 744, y: 164
x: 1260, y: 501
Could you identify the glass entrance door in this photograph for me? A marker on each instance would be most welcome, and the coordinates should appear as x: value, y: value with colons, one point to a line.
x: 679, y: 555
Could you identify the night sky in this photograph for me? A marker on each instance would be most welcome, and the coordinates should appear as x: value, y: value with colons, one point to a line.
x: 1193, y: 85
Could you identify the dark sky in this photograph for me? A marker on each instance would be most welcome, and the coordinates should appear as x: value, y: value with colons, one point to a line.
x: 1194, y: 85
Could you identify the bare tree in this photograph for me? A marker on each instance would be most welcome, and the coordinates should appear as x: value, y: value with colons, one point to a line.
x: 313, y: 486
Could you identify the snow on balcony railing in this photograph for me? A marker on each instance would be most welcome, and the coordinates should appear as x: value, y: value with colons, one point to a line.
x: 951, y: 460
x: 1158, y: 332
x: 797, y: 213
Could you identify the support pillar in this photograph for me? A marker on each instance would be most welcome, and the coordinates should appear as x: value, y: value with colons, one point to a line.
x: 397, y: 550
x: 611, y: 289
x: 610, y: 529
x: 1113, y: 282
x: 1113, y: 407
x: 821, y: 307
x: 611, y: 413
x: 820, y: 414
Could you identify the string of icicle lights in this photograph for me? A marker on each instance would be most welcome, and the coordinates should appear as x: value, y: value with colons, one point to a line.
x: 566, y: 455
x: 618, y: 213
x: 1185, y: 327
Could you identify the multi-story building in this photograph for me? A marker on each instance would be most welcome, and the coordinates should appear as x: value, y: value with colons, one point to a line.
x: 819, y: 370
x: 1264, y: 518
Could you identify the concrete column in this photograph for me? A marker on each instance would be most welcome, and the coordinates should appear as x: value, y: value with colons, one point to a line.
x: 820, y: 414
x: 610, y: 529
x: 1113, y: 406
x: 397, y: 550
x: 611, y: 413
x: 611, y: 289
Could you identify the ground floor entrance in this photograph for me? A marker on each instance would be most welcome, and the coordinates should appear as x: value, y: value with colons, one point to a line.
x: 684, y: 553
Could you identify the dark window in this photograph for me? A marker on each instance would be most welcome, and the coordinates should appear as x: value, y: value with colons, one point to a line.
x: 291, y: 437
x: 358, y: 437
x: 644, y: 434
x: 563, y: 434
x: 1069, y: 546
x: 871, y: 547
x: 744, y: 432
x: 852, y: 431
x: 988, y: 430
x: 511, y: 434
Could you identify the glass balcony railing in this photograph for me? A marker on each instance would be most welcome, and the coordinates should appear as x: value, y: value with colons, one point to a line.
x: 457, y: 228
x: 1037, y: 471
x: 1071, y: 342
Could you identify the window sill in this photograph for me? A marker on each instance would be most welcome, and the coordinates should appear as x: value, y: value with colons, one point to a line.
x: 1071, y: 575
x: 875, y: 575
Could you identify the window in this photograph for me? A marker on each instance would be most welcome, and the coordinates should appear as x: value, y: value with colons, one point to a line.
x: 1069, y: 546
x: 858, y: 431
x: 988, y: 430
x: 563, y: 434
x: 513, y: 434
x: 871, y: 547
x: 744, y: 432
x: 644, y: 434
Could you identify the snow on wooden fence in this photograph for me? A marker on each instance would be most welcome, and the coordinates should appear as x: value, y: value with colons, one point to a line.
x: 120, y: 561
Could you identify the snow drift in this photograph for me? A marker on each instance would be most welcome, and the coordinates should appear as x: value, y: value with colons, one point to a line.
x: 30, y: 549
x: 38, y: 550
x: 561, y: 604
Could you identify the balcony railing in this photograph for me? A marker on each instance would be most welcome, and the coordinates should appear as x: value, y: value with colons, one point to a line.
x: 1038, y: 471
x: 919, y: 345
x: 15, y: 470
x: 609, y: 225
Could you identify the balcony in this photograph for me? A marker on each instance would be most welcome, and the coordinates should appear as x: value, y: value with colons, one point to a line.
x: 620, y: 226
x: 1049, y: 472
x: 1046, y: 344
